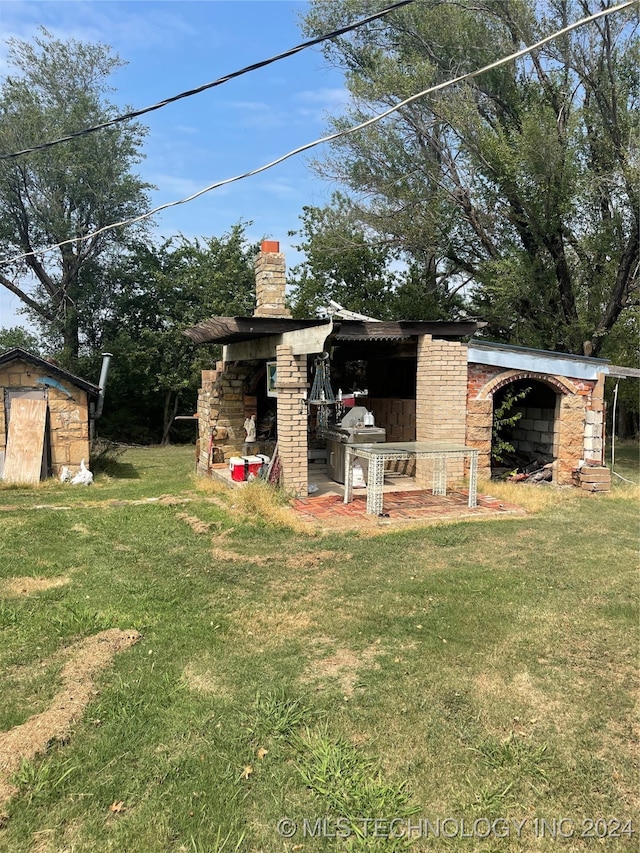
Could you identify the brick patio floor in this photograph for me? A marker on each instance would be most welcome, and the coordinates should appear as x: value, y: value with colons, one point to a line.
x: 404, y: 505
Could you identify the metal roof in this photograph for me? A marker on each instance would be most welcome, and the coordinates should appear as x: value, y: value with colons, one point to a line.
x: 227, y: 330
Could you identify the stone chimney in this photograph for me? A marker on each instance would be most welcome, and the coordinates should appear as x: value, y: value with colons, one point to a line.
x: 270, y: 281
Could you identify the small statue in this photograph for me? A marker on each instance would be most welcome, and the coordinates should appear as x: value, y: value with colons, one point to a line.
x: 250, y: 428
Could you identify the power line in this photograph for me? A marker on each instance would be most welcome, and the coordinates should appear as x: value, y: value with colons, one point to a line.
x: 203, y: 88
x: 333, y: 136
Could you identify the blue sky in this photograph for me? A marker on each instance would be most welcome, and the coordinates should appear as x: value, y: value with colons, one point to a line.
x: 176, y: 45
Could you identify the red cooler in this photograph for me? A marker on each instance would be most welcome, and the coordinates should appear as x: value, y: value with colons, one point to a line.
x: 237, y: 468
x: 243, y: 466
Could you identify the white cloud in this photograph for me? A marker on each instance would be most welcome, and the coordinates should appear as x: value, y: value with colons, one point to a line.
x: 329, y: 97
x: 257, y: 114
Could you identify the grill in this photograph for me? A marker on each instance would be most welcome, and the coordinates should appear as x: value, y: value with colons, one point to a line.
x: 350, y: 430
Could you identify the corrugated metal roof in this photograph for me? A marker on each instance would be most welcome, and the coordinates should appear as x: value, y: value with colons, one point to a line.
x: 227, y: 330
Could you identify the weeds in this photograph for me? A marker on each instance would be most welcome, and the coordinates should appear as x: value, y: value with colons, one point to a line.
x: 38, y: 779
x: 347, y: 782
x: 259, y: 500
x: 274, y: 715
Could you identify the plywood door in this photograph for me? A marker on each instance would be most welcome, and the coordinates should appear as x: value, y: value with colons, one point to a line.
x: 25, y: 440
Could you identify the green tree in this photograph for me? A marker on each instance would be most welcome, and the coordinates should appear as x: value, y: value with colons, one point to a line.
x: 67, y: 191
x: 340, y: 264
x: 348, y: 263
x: 521, y: 182
x: 16, y: 336
x: 156, y: 293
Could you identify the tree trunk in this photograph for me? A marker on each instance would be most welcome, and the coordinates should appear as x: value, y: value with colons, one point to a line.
x: 170, y: 411
x: 70, y: 338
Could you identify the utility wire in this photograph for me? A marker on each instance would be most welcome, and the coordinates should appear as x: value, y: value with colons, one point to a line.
x: 332, y: 136
x: 218, y: 82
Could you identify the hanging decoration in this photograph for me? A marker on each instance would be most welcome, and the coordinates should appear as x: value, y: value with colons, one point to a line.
x: 322, y: 394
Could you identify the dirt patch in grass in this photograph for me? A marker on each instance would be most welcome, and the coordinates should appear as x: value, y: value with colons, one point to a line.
x: 202, y: 680
x: 536, y: 704
x: 273, y: 626
x: 342, y: 666
x: 195, y: 523
x: 30, y: 586
x: 87, y: 658
x: 223, y: 555
x: 315, y: 558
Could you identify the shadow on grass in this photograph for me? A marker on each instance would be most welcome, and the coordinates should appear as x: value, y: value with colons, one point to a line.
x: 119, y: 470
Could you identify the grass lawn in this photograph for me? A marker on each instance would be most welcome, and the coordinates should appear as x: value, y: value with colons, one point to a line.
x: 467, y: 680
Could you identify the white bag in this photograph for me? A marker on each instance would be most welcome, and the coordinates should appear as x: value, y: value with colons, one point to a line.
x: 358, y: 476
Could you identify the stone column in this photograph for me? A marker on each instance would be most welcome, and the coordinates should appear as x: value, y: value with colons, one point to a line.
x: 291, y: 384
x: 570, y: 436
x: 479, y: 433
x: 594, y: 437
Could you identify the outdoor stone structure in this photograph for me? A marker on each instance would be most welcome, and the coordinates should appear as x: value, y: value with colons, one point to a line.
x: 576, y: 426
x: 222, y: 412
x: 68, y: 404
x: 270, y: 271
x: 456, y: 384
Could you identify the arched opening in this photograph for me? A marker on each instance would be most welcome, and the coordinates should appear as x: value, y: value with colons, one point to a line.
x: 525, y: 416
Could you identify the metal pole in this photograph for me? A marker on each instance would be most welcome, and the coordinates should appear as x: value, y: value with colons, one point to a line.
x: 613, y: 425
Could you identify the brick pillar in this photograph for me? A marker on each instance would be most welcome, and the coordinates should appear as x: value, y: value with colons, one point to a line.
x: 570, y: 436
x: 291, y: 383
x: 270, y: 270
x: 441, y: 400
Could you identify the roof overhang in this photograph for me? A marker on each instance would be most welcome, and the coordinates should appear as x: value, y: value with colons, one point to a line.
x: 248, y: 338
x: 402, y: 330
x: 231, y: 330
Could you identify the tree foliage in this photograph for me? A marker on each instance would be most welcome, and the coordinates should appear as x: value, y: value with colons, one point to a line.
x: 16, y: 336
x: 155, y: 293
x: 344, y: 262
x: 521, y: 182
x: 340, y: 264
x: 67, y: 191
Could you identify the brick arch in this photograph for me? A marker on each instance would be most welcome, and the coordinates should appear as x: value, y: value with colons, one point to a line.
x: 560, y: 384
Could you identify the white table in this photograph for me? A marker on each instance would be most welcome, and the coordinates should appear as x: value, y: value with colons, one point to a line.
x: 378, y: 454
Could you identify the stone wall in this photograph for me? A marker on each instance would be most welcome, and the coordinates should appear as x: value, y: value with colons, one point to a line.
x: 575, y: 431
x: 534, y: 432
x: 68, y: 421
x: 397, y: 417
x: 270, y: 272
x: 222, y: 410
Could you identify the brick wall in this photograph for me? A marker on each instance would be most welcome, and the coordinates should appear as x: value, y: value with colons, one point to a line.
x: 441, y: 398
x: 291, y: 385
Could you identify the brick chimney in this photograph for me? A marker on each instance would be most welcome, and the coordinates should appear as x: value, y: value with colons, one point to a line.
x: 270, y: 281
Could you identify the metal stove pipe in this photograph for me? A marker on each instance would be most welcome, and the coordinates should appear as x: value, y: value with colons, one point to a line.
x: 106, y: 359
